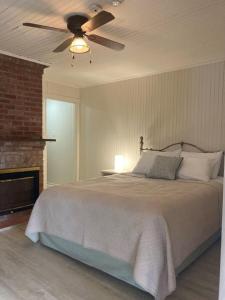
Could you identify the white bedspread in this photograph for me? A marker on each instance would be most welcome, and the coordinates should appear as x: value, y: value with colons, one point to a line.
x: 128, y: 218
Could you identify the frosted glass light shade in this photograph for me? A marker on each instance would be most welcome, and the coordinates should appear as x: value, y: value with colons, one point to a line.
x: 79, y: 45
x: 119, y: 163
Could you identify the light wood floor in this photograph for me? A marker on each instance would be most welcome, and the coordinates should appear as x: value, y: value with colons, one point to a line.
x: 34, y: 272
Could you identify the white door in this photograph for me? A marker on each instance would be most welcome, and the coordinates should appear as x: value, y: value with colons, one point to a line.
x: 61, y: 155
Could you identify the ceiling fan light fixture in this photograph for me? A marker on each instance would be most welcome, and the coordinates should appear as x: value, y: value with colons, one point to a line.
x: 79, y: 46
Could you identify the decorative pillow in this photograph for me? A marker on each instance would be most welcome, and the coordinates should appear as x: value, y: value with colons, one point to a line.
x: 196, y: 168
x: 147, y: 158
x: 165, y: 167
x: 212, y: 155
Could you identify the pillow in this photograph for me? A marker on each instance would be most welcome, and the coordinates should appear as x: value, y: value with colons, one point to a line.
x: 212, y: 155
x: 165, y: 167
x: 196, y: 168
x: 147, y: 158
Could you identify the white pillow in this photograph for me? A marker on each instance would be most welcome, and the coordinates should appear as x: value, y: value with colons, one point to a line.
x: 147, y: 158
x: 212, y: 155
x: 196, y: 168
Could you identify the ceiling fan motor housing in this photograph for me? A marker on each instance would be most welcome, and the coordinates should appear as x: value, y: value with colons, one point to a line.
x: 74, y: 24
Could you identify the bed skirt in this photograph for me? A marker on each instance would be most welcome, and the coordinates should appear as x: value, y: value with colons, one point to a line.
x: 113, y: 266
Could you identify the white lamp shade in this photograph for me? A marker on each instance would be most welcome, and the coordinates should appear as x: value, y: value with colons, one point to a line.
x: 79, y: 45
x: 119, y: 163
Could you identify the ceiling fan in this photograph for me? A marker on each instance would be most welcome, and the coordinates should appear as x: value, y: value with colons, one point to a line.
x: 79, y: 26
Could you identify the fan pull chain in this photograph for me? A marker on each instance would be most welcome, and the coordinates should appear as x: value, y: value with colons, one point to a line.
x: 90, y: 57
x: 73, y: 59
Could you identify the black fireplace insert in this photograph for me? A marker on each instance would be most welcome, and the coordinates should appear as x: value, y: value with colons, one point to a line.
x: 19, y: 189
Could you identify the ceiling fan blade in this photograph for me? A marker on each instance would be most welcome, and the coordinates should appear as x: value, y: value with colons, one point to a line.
x: 64, y: 45
x: 98, y: 20
x: 45, y: 27
x: 105, y: 42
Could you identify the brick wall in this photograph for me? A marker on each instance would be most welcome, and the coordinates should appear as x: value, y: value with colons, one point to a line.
x: 20, y: 98
x: 20, y: 113
x: 17, y: 154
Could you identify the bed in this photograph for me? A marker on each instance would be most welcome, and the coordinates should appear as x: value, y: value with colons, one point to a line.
x: 166, y: 224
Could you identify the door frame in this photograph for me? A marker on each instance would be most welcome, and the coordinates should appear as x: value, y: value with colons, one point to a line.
x: 77, y: 130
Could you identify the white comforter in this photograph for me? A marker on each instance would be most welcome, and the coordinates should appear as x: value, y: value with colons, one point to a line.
x: 128, y: 218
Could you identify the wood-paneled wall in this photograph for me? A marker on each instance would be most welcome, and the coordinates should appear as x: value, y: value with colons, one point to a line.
x: 186, y: 105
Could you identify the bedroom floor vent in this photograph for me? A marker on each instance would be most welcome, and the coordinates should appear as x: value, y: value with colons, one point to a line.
x: 19, y: 189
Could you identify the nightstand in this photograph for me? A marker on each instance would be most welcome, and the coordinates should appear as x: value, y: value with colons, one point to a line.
x: 111, y: 172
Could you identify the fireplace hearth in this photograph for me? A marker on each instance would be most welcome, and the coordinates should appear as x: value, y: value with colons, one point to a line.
x: 19, y: 189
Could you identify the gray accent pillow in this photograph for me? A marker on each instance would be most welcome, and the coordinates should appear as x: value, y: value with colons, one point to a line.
x: 165, y: 167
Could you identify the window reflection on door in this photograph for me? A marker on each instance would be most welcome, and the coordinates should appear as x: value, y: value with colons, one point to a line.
x: 60, y: 124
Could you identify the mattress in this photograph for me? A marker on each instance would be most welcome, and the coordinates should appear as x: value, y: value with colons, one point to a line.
x: 165, y: 223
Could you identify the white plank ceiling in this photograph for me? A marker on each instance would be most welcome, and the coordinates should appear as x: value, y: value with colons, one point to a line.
x: 160, y: 35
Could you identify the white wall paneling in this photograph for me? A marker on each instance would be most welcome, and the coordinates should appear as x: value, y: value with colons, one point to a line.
x: 186, y: 105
